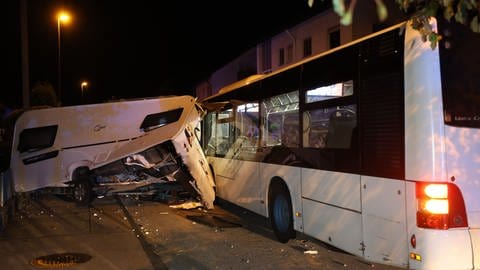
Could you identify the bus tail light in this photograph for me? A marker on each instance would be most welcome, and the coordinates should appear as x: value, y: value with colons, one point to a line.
x: 440, y: 206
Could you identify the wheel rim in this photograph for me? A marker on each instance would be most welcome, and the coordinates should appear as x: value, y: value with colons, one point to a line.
x: 79, y: 192
x: 281, y: 213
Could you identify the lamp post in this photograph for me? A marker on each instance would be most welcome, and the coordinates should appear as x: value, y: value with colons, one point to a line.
x: 83, y: 87
x: 62, y: 17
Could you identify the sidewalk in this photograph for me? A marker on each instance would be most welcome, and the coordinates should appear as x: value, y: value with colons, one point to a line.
x: 99, y: 237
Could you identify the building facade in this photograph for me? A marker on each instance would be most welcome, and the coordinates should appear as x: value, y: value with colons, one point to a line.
x: 312, y: 36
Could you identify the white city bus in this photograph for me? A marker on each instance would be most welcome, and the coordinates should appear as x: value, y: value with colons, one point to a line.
x: 372, y: 147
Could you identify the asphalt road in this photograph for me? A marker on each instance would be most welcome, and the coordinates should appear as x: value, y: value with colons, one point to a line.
x: 131, y: 232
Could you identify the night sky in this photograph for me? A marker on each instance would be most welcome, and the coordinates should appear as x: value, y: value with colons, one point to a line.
x: 132, y: 49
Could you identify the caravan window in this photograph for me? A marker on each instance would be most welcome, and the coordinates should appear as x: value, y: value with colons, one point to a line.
x: 157, y: 120
x: 34, y: 139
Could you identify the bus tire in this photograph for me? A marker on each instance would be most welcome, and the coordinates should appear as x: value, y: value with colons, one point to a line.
x: 281, y: 214
x: 83, y: 192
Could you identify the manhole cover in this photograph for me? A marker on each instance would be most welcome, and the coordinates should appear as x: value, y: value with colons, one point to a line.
x: 60, y: 260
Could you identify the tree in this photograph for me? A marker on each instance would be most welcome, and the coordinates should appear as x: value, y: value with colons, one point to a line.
x: 463, y: 11
x: 43, y: 94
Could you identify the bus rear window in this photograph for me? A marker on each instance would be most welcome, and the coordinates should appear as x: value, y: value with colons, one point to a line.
x: 460, y: 67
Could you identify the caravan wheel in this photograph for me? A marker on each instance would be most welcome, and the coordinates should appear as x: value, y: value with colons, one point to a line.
x: 82, y: 192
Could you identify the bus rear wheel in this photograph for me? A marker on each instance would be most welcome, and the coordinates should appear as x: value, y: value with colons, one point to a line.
x: 281, y: 214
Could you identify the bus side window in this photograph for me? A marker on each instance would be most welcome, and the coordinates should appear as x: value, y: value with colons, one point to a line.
x: 247, y: 124
x: 329, y: 127
x: 246, y: 131
x: 315, y: 128
x: 271, y: 130
x: 225, y: 138
x: 290, y: 136
x: 340, y: 128
x: 208, y: 137
x: 221, y: 136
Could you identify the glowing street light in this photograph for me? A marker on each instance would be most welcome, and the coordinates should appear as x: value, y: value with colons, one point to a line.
x: 83, y: 87
x: 62, y: 17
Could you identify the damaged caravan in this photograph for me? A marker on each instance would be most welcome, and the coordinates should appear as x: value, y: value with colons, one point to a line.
x: 99, y: 149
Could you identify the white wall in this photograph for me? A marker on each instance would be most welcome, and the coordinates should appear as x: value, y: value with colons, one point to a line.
x: 317, y: 28
x: 229, y: 73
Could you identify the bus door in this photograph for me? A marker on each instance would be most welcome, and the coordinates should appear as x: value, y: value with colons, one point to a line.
x: 238, y: 151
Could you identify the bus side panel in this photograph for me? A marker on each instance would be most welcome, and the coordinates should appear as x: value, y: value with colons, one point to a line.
x: 332, y: 208
x: 221, y: 182
x: 335, y: 226
x: 334, y: 188
x: 384, y: 220
x: 291, y: 176
x: 238, y: 182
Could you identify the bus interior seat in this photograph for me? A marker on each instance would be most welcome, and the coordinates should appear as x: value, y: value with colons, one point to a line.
x: 340, y: 131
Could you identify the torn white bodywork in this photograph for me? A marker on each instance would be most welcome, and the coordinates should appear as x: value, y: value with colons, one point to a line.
x: 189, y: 148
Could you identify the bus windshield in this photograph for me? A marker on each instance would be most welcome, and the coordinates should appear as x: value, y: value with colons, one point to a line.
x: 460, y: 67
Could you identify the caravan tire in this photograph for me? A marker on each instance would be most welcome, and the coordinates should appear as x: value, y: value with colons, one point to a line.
x: 82, y: 192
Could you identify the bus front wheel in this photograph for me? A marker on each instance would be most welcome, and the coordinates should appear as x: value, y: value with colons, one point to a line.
x: 281, y: 214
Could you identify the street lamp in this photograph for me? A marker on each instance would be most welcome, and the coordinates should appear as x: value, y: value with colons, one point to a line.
x: 83, y: 87
x: 62, y: 17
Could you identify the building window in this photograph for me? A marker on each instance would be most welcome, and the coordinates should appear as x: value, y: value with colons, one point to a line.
x: 334, y: 37
x: 307, y: 47
x: 267, y: 56
x: 289, y: 53
x: 281, y: 57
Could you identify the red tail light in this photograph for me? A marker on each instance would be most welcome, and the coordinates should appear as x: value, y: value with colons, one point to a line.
x: 440, y: 206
